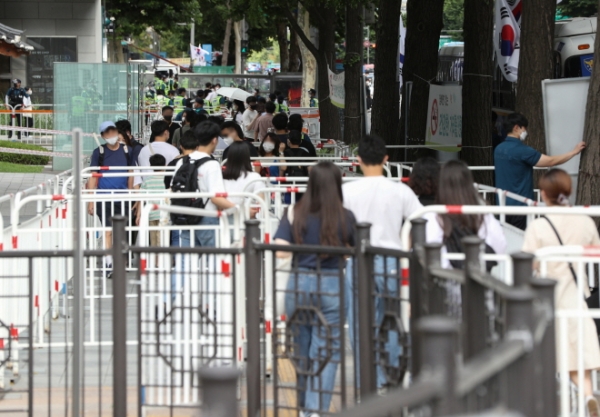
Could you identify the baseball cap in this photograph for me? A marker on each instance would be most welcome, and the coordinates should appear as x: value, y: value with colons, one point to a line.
x: 16, y: 81
x: 104, y: 126
x: 312, y: 90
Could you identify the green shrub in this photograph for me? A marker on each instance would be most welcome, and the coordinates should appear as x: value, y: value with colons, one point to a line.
x: 24, y: 159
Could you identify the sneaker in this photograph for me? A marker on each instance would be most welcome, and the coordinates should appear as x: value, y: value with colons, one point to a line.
x: 592, y: 406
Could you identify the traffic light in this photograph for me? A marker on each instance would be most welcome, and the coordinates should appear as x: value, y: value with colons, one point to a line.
x: 244, y: 47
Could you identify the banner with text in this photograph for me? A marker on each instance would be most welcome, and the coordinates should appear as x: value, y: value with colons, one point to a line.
x: 337, y: 93
x: 444, y: 117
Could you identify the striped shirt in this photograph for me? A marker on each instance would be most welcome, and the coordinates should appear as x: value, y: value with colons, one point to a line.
x: 154, y: 184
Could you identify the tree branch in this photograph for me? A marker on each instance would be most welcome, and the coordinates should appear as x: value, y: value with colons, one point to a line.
x: 296, y: 28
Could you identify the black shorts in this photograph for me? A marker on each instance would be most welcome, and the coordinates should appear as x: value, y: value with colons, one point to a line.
x: 105, y: 210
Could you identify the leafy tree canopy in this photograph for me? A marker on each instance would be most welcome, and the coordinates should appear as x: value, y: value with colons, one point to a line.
x: 453, y: 17
x: 578, y: 8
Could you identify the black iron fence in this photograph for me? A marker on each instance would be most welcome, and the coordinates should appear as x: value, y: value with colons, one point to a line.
x: 454, y: 342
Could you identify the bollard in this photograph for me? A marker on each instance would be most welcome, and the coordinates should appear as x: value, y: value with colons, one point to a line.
x: 366, y: 313
x: 522, y: 268
x: 521, y: 378
x: 218, y: 388
x: 119, y: 310
x: 416, y: 289
x: 253, y: 286
x: 545, y: 351
x: 475, y: 323
x: 438, y: 340
x: 435, y: 299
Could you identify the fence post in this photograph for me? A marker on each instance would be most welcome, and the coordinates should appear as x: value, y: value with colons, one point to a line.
x: 364, y: 283
x: 119, y: 323
x: 474, y: 315
x: 253, y: 280
x: 435, y: 297
x: 438, y: 340
x: 416, y: 285
x: 522, y: 268
x: 545, y: 349
x: 218, y: 388
x: 521, y: 374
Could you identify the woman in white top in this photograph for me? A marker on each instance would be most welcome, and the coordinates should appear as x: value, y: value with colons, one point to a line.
x: 456, y: 189
x: 572, y: 229
x: 27, y: 111
x: 238, y: 174
x: 250, y: 114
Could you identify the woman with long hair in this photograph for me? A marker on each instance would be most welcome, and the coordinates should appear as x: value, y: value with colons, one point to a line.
x: 238, y: 174
x: 270, y: 148
x: 318, y: 219
x: 456, y: 189
x: 572, y: 229
x: 238, y: 112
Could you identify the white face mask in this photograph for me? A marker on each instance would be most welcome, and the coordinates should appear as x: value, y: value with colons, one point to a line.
x: 269, y: 146
x: 29, y: 92
x: 112, y: 141
x: 523, y: 135
x: 228, y: 140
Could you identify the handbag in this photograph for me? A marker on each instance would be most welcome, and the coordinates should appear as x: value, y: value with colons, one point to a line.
x: 593, y: 302
x: 283, y: 271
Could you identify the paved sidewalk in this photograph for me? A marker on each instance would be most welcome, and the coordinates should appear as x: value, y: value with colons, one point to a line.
x: 12, y: 183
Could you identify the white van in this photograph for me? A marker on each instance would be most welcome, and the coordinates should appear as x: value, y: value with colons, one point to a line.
x: 574, y: 46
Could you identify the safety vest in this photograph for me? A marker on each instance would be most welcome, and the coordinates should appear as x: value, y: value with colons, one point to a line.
x: 160, y: 85
x: 281, y: 108
x: 216, y: 103
x: 78, y: 106
x: 178, y: 104
x: 314, y: 102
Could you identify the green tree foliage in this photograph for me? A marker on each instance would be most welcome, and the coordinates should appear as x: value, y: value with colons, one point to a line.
x: 454, y: 17
x: 578, y: 8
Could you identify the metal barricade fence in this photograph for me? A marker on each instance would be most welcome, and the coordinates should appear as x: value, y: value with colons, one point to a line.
x: 571, y: 322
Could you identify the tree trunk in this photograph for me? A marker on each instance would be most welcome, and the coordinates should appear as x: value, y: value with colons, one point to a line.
x: 588, y: 184
x: 330, y: 116
x: 477, y: 87
x: 237, y: 31
x: 226, y: 41
x: 284, y: 52
x: 309, y: 62
x: 386, y: 97
x: 295, y: 53
x: 353, y: 72
x: 423, y: 28
x: 535, y: 65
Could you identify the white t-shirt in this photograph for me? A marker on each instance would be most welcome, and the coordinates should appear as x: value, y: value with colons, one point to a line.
x: 165, y: 149
x: 239, y: 186
x: 210, y: 177
x: 384, y: 204
x: 247, y: 118
x: 490, y: 231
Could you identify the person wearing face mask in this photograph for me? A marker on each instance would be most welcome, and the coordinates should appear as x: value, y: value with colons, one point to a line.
x: 111, y: 154
x: 27, y: 109
x: 167, y: 115
x: 269, y: 148
x: 232, y: 132
x: 238, y: 112
x: 514, y: 162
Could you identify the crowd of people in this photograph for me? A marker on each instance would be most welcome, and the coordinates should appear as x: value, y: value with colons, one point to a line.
x: 326, y: 214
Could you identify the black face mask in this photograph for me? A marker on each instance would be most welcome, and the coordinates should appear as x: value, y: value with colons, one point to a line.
x: 168, y: 118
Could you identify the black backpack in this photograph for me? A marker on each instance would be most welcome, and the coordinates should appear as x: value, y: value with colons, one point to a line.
x: 102, y: 148
x: 297, y: 170
x: 185, y: 180
x: 454, y: 245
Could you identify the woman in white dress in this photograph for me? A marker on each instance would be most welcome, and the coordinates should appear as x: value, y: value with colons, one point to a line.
x: 572, y: 229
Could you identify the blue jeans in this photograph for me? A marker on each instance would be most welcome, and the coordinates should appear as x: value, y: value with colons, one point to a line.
x: 383, y: 287
x: 305, y: 292
x: 205, y: 238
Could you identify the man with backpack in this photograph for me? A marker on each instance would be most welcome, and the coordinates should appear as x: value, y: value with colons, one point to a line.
x: 200, y: 172
x: 111, y: 154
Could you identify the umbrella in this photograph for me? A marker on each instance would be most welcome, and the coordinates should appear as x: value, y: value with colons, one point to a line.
x: 233, y: 93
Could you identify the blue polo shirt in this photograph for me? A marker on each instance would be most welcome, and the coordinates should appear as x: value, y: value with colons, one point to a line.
x: 514, y: 162
x: 116, y: 158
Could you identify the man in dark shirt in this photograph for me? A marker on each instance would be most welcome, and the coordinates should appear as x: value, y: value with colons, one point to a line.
x: 232, y: 132
x: 514, y: 162
x: 167, y: 114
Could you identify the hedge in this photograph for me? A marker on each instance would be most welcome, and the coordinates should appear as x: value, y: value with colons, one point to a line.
x: 16, y: 158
